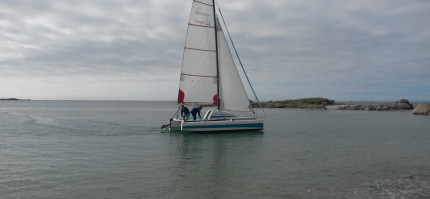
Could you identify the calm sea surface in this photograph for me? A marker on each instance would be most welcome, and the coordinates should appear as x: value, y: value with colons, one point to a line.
x: 109, y: 149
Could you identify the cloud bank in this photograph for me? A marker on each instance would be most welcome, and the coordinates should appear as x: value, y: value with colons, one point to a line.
x: 132, y: 50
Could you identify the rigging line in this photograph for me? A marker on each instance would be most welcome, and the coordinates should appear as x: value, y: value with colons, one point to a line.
x: 237, y: 55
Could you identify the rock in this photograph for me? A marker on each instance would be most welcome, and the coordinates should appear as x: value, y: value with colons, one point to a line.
x: 403, y: 104
x: 332, y: 107
x: 352, y: 107
x: 279, y: 105
x: 404, y: 101
x: 384, y: 108
x: 422, y: 109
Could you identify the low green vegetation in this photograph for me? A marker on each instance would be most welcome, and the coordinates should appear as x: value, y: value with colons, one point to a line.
x: 315, y: 102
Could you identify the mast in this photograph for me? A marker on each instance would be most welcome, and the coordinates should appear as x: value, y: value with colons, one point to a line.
x: 216, y: 52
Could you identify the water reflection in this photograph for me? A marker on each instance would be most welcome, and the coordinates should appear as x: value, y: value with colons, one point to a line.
x: 210, y: 164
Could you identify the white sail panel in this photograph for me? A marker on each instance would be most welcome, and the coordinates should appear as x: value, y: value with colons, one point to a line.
x: 202, y: 14
x: 198, y: 73
x: 196, y: 89
x: 197, y: 62
x: 200, y: 38
x: 233, y: 96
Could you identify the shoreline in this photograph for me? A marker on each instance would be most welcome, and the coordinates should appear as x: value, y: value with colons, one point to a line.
x: 324, y: 104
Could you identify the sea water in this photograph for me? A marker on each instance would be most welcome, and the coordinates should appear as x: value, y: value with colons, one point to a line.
x: 115, y: 149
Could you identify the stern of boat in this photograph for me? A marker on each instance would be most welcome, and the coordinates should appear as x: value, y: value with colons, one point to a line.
x: 175, y: 125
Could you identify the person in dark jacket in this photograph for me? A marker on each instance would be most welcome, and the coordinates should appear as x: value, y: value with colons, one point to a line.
x: 195, y: 111
x: 185, y: 112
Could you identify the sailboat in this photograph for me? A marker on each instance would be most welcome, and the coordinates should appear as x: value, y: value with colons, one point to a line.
x: 209, y: 77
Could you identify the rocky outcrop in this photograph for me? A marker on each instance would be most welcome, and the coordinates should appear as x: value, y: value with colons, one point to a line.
x: 324, y: 103
x: 403, y: 104
x: 422, y: 109
x: 305, y: 103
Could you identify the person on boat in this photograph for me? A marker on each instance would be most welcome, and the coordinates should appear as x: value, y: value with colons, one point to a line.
x: 196, y: 110
x: 185, y: 112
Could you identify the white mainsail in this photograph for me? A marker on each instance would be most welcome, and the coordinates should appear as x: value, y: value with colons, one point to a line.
x: 198, y: 81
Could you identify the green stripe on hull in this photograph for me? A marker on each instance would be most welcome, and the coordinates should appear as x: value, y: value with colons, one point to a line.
x: 260, y: 126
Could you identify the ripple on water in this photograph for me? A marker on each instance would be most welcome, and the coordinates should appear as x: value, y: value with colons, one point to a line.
x: 409, y: 186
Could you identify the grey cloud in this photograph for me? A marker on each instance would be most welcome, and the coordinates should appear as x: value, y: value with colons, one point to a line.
x: 80, y: 34
x: 298, y: 47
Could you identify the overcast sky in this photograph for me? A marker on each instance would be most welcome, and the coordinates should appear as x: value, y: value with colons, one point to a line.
x: 132, y: 49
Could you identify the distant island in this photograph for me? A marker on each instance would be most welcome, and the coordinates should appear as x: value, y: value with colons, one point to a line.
x: 13, y: 99
x: 324, y: 103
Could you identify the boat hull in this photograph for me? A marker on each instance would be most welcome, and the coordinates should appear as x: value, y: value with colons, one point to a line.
x: 217, y: 125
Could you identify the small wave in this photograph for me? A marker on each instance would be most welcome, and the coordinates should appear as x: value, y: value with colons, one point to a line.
x: 99, y: 122
x: 396, y: 188
x: 4, y: 113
